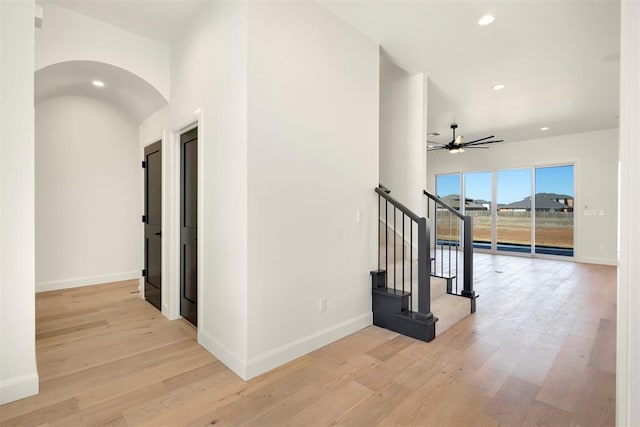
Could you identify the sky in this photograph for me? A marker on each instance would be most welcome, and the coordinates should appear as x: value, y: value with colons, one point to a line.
x: 513, y: 184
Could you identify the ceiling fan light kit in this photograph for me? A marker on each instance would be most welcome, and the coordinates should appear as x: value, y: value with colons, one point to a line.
x: 457, y: 146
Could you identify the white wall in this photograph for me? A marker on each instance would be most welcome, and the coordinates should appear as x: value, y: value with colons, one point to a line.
x: 403, y: 116
x: 628, y: 339
x: 312, y: 164
x: 18, y: 371
x: 87, y: 194
x: 304, y: 86
x: 596, y: 159
x: 208, y: 69
x: 70, y: 36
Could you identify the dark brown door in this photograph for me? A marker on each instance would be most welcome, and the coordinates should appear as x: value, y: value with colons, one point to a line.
x: 153, y: 223
x: 189, y: 226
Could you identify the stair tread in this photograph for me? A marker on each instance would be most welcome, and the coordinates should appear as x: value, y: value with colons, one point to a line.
x: 411, y: 315
x: 391, y: 292
x: 443, y: 277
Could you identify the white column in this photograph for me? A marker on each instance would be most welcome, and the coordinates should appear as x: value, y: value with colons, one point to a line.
x: 628, y: 351
x: 18, y: 372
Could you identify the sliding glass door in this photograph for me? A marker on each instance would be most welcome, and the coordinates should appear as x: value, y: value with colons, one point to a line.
x: 554, y: 210
x: 506, y: 218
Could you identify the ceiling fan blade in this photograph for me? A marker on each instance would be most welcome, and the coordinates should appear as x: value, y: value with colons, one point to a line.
x: 474, y: 147
x: 481, y: 143
x: 481, y: 139
x: 436, y: 148
x: 436, y: 143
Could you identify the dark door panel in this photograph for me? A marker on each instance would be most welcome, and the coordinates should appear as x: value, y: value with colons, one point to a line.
x: 153, y: 223
x: 189, y: 226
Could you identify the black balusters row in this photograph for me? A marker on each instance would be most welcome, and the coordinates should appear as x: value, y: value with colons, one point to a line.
x: 453, y: 240
x: 398, y: 222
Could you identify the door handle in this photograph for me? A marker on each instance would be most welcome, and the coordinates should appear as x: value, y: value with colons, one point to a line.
x: 159, y: 233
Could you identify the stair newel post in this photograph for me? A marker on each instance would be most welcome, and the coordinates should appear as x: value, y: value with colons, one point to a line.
x: 468, y: 262
x: 424, y: 270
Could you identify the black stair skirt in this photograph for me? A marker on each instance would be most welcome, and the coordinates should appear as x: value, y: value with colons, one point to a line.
x: 391, y: 311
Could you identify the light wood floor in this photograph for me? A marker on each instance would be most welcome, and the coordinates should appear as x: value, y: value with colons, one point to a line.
x: 539, y: 351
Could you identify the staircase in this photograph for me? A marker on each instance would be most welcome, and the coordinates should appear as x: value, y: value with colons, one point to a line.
x: 415, y: 290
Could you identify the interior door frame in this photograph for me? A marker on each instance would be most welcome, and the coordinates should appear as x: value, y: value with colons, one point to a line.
x: 171, y: 212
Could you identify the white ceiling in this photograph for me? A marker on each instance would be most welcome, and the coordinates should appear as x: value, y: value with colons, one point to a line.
x: 130, y: 93
x: 162, y: 20
x: 558, y: 58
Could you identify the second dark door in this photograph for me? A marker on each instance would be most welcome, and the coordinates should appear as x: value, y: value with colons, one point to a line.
x: 153, y: 223
x: 189, y: 226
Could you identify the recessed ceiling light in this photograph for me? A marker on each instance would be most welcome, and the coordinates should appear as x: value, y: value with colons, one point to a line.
x: 98, y: 83
x: 486, y: 20
x: 544, y: 128
x: 499, y: 86
x: 433, y: 134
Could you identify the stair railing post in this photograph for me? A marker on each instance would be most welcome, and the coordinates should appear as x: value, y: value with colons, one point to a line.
x: 424, y: 271
x: 468, y: 262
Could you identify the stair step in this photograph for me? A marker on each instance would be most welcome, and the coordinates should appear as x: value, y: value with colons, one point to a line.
x: 390, y: 292
x: 438, y: 287
x: 386, y: 303
x: 450, y: 309
x: 411, y: 324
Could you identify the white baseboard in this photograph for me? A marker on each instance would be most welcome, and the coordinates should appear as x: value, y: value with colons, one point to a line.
x: 18, y: 388
x: 222, y: 353
x: 279, y: 356
x: 601, y: 261
x: 86, y: 281
x: 272, y: 359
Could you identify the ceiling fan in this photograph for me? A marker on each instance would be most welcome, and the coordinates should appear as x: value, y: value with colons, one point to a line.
x: 457, y: 146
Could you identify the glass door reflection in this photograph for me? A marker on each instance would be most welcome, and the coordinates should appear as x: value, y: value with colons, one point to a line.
x: 514, y: 210
x: 478, y: 189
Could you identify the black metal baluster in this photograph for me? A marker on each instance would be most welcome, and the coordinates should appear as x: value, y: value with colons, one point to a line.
x: 403, y: 261
x: 441, y: 256
x: 451, y: 241
x: 395, y: 258
x: 411, y: 264
x: 457, y: 250
x: 386, y: 239
x: 379, y: 231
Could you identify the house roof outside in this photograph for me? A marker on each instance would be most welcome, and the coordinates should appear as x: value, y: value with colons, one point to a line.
x: 546, y: 201
x: 453, y: 200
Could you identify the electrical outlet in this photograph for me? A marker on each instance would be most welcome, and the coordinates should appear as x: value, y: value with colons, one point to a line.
x: 358, y: 216
x: 322, y: 305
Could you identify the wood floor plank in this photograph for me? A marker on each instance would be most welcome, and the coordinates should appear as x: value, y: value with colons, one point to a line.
x: 513, y: 402
x: 603, y: 353
x: 44, y: 414
x: 562, y: 385
x: 596, y: 403
x: 333, y: 406
x: 376, y: 406
x: 535, y: 364
x: 110, y: 410
x: 390, y: 348
x: 542, y: 414
x: 88, y: 326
